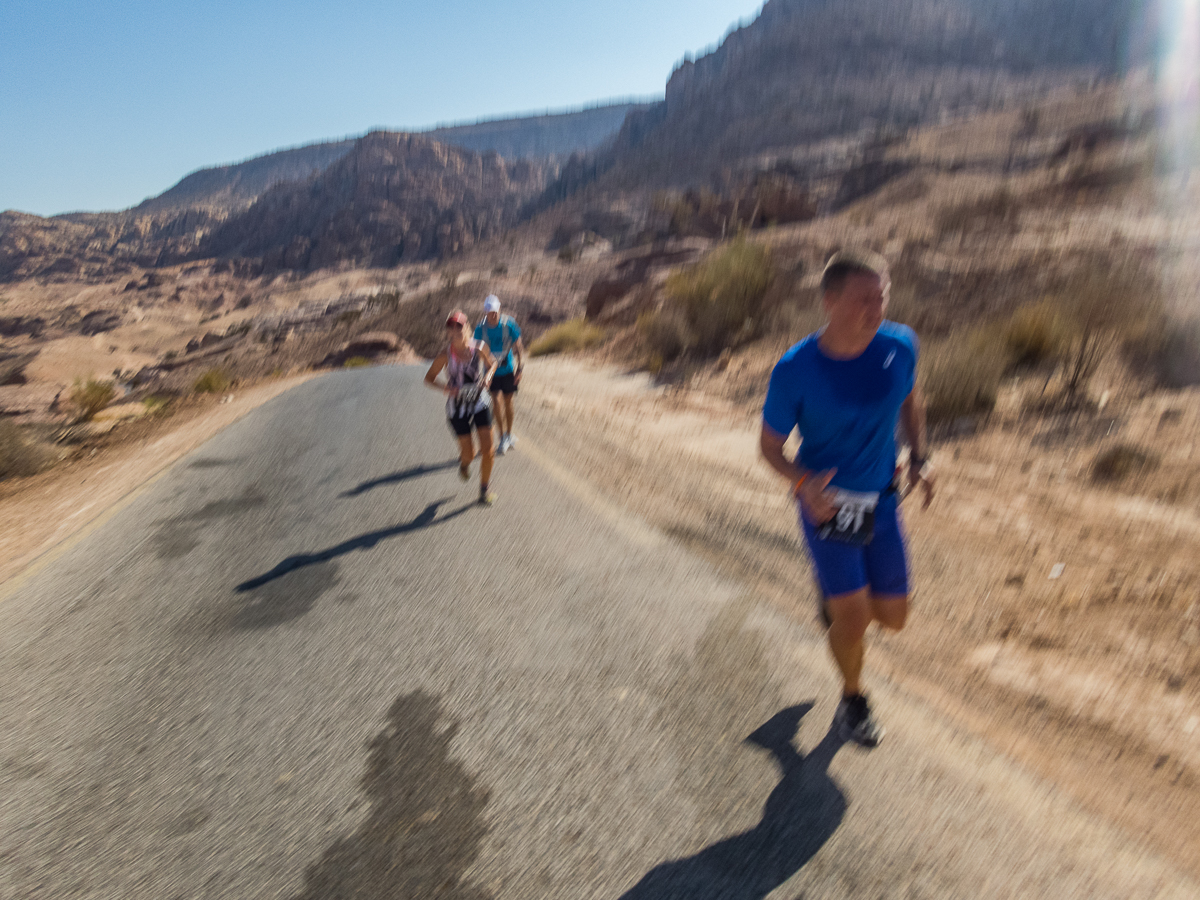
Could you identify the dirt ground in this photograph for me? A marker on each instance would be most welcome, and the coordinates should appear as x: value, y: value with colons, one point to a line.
x: 1056, y: 617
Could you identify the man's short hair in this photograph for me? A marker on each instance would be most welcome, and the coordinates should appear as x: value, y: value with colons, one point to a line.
x: 846, y: 263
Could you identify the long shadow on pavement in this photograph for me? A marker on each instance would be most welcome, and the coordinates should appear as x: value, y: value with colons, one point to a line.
x: 397, y: 477
x: 803, y: 811
x: 426, y: 820
x: 426, y: 518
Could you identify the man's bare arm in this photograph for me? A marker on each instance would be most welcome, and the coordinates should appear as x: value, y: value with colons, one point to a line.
x: 771, y: 445
x: 519, y: 350
x: 809, y: 487
x: 912, y: 424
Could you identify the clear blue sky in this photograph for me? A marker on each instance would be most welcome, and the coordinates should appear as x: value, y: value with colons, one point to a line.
x: 105, y: 103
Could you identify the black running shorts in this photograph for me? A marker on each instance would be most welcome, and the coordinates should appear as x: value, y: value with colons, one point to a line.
x: 462, y: 424
x: 504, y: 384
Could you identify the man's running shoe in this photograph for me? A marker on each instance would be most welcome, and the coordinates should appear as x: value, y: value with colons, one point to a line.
x: 855, y: 722
x: 502, y: 447
x: 512, y: 441
x: 487, y: 498
x: 464, y: 471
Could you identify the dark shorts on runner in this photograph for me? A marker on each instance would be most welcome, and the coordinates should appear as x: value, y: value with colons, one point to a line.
x: 462, y: 424
x: 882, y: 564
x: 504, y: 384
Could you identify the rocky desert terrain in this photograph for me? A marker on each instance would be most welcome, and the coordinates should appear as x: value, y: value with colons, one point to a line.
x: 1042, y: 242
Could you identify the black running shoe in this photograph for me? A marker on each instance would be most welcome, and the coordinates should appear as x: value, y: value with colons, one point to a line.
x: 855, y: 722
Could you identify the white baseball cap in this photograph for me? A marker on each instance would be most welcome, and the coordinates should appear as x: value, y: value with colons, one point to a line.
x: 491, y: 304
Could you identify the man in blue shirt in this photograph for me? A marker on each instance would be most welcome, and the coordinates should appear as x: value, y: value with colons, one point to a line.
x: 504, y: 340
x: 845, y: 388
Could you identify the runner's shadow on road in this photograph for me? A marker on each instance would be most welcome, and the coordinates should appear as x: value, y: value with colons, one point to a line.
x: 425, y: 519
x: 803, y: 811
x: 397, y: 477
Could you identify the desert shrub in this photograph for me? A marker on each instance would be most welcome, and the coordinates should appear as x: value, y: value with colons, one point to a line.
x: 1037, y: 333
x: 721, y: 297
x: 214, y: 381
x: 91, y: 396
x: 999, y: 207
x: 961, y: 377
x: 348, y: 317
x: 568, y: 254
x: 17, y: 456
x: 1103, y: 299
x: 1168, y: 351
x: 156, y: 404
x: 356, y: 362
x: 1120, y: 461
x: 500, y: 269
x: 566, y: 337
x: 665, y: 334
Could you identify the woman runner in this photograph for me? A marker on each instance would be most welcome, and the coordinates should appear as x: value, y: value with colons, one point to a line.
x: 469, y: 369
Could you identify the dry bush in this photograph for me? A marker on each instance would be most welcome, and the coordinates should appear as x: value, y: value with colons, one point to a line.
x: 91, y: 396
x: 665, y: 334
x: 356, y: 362
x: 960, y: 377
x: 17, y: 456
x: 1037, y: 333
x: 721, y: 297
x: 566, y: 337
x: 1102, y: 300
x: 214, y: 381
x: 1121, y: 461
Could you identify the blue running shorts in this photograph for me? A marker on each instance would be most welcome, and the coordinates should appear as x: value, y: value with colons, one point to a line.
x: 882, y: 564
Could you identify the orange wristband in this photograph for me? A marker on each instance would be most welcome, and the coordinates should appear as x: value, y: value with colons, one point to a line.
x: 799, y: 484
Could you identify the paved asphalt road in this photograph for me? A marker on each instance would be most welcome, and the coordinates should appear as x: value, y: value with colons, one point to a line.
x: 303, y: 665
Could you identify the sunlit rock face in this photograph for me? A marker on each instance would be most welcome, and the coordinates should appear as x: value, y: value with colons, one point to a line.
x: 805, y: 70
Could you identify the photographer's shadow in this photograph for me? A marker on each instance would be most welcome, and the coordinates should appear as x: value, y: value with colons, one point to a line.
x: 803, y: 811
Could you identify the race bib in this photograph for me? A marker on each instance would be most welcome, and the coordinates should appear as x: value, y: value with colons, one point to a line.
x: 854, y: 522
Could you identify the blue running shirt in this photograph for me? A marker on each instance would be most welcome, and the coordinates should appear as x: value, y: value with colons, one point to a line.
x: 846, y: 409
x: 495, y: 340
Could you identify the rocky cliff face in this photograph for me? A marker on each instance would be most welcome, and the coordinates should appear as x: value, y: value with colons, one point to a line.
x: 810, y: 69
x: 232, y: 187
x: 394, y: 197
x: 209, y: 210
x: 96, y: 244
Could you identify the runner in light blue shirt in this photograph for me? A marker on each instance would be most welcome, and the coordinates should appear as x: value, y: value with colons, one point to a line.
x: 503, y: 338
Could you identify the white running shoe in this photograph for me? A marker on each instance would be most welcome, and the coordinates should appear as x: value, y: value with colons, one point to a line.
x: 512, y: 441
x: 502, y: 447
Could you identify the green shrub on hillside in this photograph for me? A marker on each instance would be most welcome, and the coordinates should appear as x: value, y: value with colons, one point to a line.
x: 1037, y: 333
x: 214, y: 381
x: 91, y: 396
x: 576, y: 334
x: 714, y: 304
x: 665, y: 334
x: 960, y: 377
x: 17, y: 456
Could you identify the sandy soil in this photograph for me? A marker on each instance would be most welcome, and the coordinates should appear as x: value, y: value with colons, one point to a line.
x: 39, y: 513
x: 1089, y: 674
